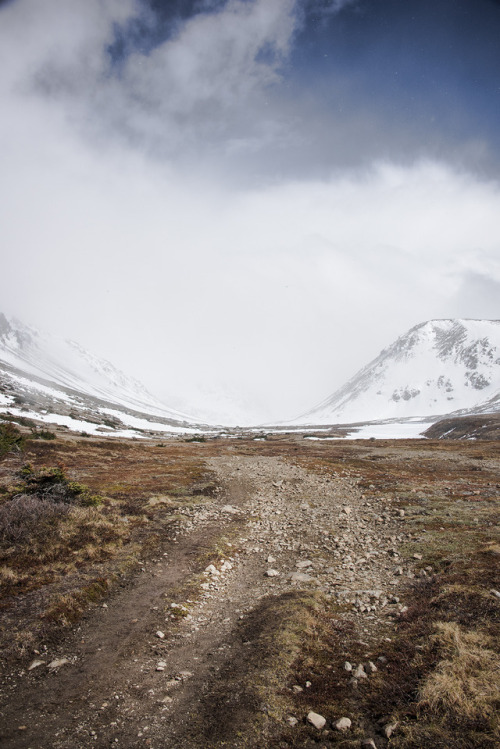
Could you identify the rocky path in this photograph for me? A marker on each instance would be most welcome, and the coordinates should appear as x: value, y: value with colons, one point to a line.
x: 158, y: 665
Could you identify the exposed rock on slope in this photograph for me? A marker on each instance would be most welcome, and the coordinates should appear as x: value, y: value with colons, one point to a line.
x: 438, y: 367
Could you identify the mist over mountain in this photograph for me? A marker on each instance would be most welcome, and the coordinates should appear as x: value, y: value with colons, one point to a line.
x: 56, y: 380
x: 436, y: 368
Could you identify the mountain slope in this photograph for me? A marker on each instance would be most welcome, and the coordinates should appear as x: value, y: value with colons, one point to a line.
x: 438, y: 367
x: 48, y: 374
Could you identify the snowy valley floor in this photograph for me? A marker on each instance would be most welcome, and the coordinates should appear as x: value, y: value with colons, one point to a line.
x: 221, y: 592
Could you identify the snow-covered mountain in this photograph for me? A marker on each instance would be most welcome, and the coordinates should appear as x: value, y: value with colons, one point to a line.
x: 50, y: 376
x: 439, y: 367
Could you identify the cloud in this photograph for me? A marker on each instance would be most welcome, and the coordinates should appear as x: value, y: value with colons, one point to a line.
x: 196, y: 87
x: 122, y: 230
x: 212, y: 88
x: 328, y: 7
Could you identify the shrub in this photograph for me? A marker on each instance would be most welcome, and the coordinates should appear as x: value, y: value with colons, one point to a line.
x: 11, y: 439
x: 53, y: 484
x: 27, y: 516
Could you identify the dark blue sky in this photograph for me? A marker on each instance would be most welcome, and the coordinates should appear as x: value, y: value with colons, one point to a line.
x: 416, y: 77
x: 436, y: 61
x: 427, y: 69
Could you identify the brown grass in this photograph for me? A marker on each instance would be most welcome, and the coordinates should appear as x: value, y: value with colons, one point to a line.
x: 67, y: 609
x: 466, y: 682
x: 54, y: 536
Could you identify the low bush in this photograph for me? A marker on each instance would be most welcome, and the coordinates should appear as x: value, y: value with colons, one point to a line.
x: 27, y: 516
x: 53, y: 484
x: 11, y: 439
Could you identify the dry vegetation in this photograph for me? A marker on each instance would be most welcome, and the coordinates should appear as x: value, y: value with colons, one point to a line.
x: 440, y: 686
x: 63, y: 543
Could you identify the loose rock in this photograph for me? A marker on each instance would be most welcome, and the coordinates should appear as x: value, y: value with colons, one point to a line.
x: 389, y: 729
x: 316, y: 720
x: 343, y: 724
x: 35, y: 664
x: 57, y: 663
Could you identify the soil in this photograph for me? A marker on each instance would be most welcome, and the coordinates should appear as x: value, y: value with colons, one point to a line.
x: 171, y: 659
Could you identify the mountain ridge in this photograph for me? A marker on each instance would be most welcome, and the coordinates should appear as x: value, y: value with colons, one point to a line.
x: 46, y: 374
x: 436, y: 368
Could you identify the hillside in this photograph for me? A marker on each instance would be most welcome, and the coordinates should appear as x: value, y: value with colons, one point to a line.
x: 437, y: 368
x: 58, y: 381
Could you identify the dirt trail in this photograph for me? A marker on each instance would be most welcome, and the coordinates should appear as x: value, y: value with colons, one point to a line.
x: 279, y: 529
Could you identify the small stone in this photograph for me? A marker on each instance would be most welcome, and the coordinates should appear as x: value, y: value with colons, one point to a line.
x: 160, y: 635
x: 343, y: 724
x: 272, y: 573
x: 308, y: 684
x: 57, y: 663
x: 161, y: 666
x: 360, y: 673
x: 496, y: 593
x: 297, y: 689
x: 347, y: 666
x: 292, y: 721
x: 22, y: 728
x: 270, y: 560
x: 347, y: 510
x: 389, y: 729
x: 316, y: 720
x: 300, y: 577
x: 417, y: 556
x: 303, y: 563
x: 371, y: 667
x: 35, y: 664
x: 212, y: 570
x: 229, y: 509
x: 368, y: 744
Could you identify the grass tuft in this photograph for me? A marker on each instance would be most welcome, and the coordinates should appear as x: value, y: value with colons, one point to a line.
x: 466, y: 682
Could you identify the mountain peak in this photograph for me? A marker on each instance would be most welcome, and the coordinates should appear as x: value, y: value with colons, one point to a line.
x: 437, y: 367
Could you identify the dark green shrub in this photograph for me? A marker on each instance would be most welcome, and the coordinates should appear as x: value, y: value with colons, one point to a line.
x: 11, y: 439
x: 52, y: 483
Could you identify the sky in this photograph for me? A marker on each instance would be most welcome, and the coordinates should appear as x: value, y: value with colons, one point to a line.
x: 241, y: 202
